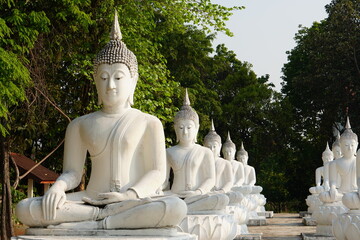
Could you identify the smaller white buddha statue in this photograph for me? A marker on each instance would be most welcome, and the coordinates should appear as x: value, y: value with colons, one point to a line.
x: 193, y: 165
x: 224, y: 175
x: 335, y: 147
x: 229, y: 150
x: 249, y: 171
x: 322, y: 173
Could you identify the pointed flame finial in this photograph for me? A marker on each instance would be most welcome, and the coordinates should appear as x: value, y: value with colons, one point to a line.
x: 347, y: 126
x: 186, y: 98
x: 327, y: 147
x: 212, y: 125
x: 228, y: 137
x: 115, y: 33
x: 242, y: 146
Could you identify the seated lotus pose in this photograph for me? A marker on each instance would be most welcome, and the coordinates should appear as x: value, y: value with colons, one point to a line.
x: 127, y: 151
x: 229, y: 150
x: 323, y: 173
x: 345, y: 167
x: 193, y: 165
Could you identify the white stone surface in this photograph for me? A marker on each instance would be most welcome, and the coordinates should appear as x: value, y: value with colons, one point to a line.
x: 210, y: 227
x: 347, y: 226
x: 127, y: 149
x: 325, y: 215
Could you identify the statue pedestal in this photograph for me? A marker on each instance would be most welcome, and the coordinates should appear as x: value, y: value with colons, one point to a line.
x: 347, y: 225
x: 240, y: 216
x: 313, y: 201
x: 210, y: 227
x: 266, y: 214
x: 309, y: 221
x: 87, y: 234
x: 325, y: 215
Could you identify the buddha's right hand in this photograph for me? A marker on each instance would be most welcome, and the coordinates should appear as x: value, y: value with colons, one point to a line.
x: 52, y: 200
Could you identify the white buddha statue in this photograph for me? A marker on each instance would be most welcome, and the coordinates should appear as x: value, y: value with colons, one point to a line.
x: 344, y: 167
x: 127, y: 151
x: 229, y: 150
x: 335, y: 147
x: 322, y: 173
x: 249, y: 171
x: 193, y: 165
x: 343, y: 171
x: 223, y: 169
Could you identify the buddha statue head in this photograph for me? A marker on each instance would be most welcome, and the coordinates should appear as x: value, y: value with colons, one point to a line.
x: 335, y: 147
x: 229, y: 148
x: 348, y: 141
x: 213, y: 141
x: 186, y: 123
x: 327, y: 155
x: 242, y: 155
x: 115, y: 71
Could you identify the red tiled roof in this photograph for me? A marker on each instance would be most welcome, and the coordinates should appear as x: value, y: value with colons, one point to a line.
x: 40, y: 173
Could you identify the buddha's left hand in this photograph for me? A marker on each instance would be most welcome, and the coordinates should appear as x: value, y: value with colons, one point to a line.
x: 111, y: 197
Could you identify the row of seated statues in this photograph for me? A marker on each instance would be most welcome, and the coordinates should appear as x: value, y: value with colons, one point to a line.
x: 334, y: 202
x: 129, y: 185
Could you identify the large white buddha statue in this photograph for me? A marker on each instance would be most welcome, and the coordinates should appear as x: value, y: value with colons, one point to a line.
x: 322, y: 173
x: 127, y: 152
x: 229, y: 150
x: 193, y: 165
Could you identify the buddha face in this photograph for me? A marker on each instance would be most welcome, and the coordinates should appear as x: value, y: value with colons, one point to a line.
x: 114, y: 84
x: 348, y: 147
x: 229, y: 153
x: 328, y: 157
x: 186, y: 131
x: 243, y: 158
x: 337, y: 152
x: 214, y: 147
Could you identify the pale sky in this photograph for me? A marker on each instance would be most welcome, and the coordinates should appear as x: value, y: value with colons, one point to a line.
x: 265, y: 30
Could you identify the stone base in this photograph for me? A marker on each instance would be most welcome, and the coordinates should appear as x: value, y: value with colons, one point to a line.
x: 314, y: 236
x: 324, y: 230
x: 347, y: 225
x: 257, y: 222
x: 87, y: 234
x: 250, y: 236
x: 303, y: 214
x: 309, y: 221
x: 267, y: 214
x: 210, y: 227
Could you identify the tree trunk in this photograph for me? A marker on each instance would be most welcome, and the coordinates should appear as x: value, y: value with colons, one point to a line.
x: 6, y: 221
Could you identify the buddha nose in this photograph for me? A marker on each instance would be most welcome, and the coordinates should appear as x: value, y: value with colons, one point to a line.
x: 111, y: 84
x: 186, y: 131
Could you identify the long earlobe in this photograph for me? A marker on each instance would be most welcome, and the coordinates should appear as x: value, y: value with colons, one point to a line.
x: 99, y: 100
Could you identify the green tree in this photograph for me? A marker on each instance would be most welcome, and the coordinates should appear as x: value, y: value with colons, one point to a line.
x: 18, y: 33
x: 321, y: 81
